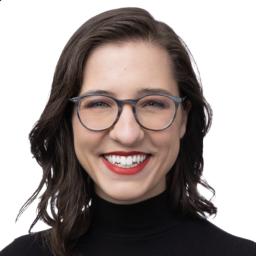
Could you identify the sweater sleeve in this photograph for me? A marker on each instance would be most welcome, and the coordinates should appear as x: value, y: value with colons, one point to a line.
x: 217, y: 240
x: 27, y: 245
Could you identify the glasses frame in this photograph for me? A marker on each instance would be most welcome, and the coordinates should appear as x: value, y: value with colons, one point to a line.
x: 119, y: 103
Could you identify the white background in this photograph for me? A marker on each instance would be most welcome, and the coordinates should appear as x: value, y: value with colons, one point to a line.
x: 220, y: 35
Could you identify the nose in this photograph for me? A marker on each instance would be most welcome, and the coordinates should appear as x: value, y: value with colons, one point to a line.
x: 126, y: 130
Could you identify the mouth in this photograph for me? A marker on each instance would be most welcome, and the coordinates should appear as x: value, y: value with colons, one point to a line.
x: 126, y: 165
x: 126, y: 159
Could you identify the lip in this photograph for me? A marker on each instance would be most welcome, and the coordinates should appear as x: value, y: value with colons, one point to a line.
x: 123, y: 153
x: 126, y: 171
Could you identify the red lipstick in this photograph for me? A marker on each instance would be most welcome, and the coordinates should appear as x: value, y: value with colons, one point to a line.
x: 125, y: 171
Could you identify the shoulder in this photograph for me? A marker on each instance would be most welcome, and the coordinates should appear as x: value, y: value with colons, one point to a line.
x: 216, y: 239
x: 28, y: 245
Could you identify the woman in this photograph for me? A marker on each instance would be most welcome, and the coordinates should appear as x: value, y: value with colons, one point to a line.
x: 120, y: 142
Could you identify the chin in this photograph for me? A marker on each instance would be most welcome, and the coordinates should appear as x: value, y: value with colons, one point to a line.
x: 121, y: 194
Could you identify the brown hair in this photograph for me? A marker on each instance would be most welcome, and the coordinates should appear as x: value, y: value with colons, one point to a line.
x: 68, y: 186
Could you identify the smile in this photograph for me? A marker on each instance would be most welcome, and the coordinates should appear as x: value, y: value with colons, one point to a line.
x: 126, y: 162
x: 126, y: 165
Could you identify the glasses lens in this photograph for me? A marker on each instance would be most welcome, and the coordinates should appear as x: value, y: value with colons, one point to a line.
x: 97, y: 112
x: 155, y: 112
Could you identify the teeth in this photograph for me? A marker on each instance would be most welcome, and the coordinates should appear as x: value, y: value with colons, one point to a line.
x: 129, y: 160
x: 125, y: 162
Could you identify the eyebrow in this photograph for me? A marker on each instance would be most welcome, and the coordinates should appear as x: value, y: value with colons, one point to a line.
x: 139, y: 92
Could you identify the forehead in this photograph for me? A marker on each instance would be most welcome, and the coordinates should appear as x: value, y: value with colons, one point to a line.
x: 127, y: 68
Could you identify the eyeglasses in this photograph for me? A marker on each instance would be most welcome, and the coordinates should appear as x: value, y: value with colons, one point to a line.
x: 99, y: 112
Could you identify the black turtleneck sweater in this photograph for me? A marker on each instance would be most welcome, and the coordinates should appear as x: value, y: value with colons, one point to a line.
x: 145, y: 228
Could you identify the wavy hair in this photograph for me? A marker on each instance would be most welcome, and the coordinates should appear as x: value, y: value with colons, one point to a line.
x: 68, y: 186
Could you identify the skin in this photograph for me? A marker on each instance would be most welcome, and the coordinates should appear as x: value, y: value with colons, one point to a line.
x: 123, y: 69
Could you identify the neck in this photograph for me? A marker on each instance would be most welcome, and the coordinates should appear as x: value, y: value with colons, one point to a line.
x: 148, y: 217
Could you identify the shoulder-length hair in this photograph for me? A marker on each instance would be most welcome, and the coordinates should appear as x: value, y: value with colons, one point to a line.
x: 68, y: 186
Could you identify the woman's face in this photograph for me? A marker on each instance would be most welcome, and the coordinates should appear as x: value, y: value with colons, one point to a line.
x: 124, y: 70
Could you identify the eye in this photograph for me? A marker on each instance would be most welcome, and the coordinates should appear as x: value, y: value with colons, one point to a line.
x: 154, y: 104
x: 98, y: 104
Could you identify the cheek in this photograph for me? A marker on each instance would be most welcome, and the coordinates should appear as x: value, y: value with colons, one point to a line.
x: 85, y: 141
x: 167, y: 139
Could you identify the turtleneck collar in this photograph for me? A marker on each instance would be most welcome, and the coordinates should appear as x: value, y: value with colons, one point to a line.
x: 145, y: 218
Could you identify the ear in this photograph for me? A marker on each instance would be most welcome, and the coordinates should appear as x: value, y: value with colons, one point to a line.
x: 185, y: 118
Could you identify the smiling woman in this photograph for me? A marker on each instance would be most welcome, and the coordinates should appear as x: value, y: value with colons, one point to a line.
x: 120, y: 142
x: 124, y: 70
